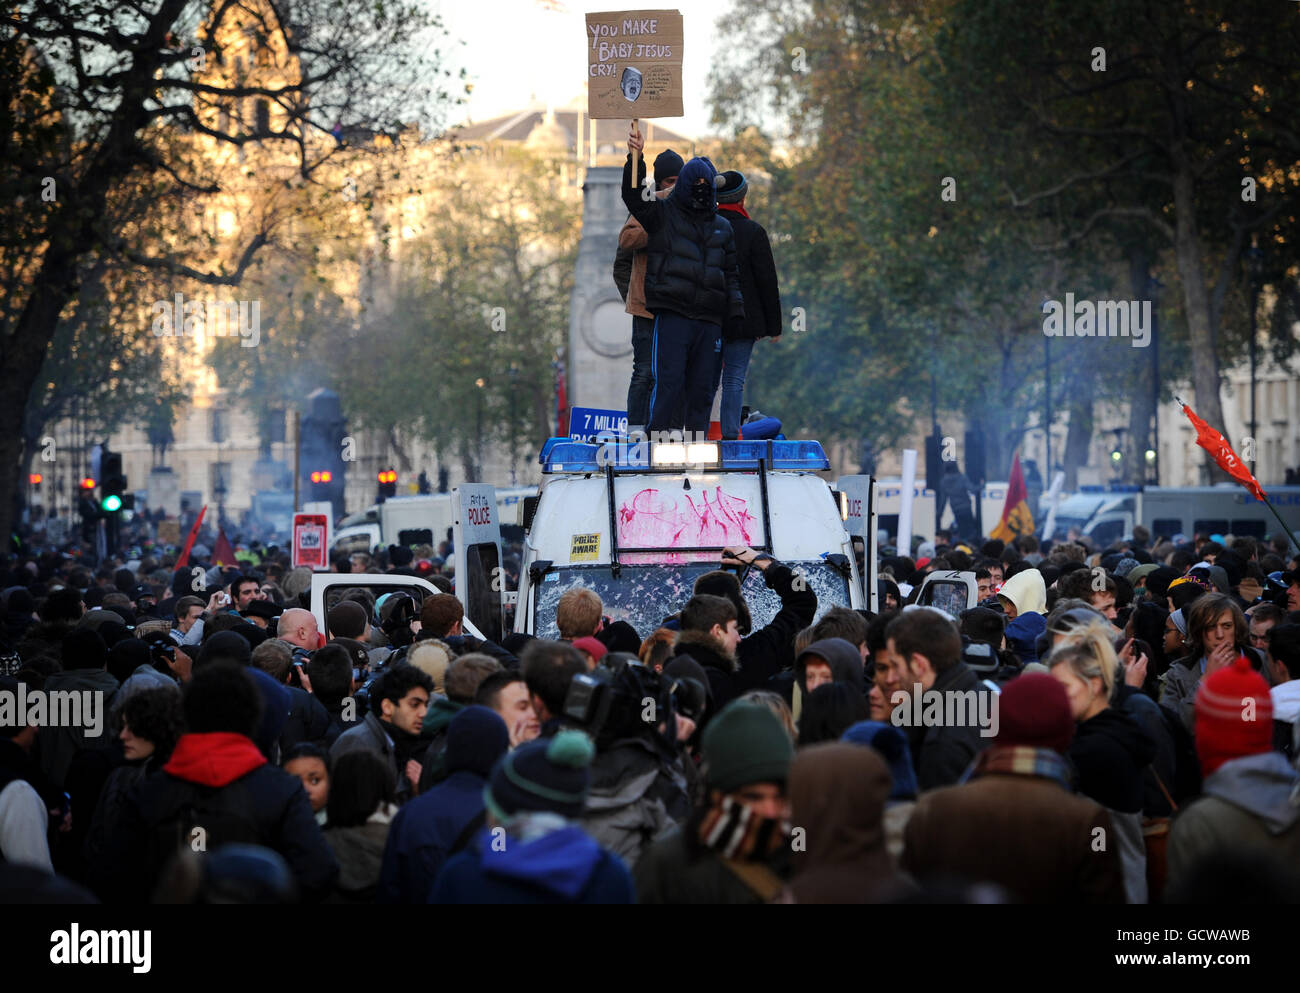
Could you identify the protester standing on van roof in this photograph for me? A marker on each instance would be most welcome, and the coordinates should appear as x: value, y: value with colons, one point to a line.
x: 758, y: 286
x: 692, y: 286
x: 629, y: 275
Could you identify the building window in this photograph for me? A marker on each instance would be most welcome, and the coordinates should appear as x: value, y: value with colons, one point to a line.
x: 218, y: 425
x: 263, y: 117
x: 219, y: 479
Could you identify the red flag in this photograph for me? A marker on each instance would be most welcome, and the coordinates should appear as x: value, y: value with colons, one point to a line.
x: 189, y: 542
x: 1017, y: 518
x: 222, y: 552
x: 1217, y: 445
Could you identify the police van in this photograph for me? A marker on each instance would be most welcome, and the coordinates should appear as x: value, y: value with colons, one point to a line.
x: 639, y: 522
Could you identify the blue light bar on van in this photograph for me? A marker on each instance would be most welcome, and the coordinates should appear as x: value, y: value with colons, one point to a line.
x: 565, y: 455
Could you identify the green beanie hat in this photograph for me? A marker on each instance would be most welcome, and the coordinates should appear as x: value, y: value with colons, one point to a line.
x: 745, y: 743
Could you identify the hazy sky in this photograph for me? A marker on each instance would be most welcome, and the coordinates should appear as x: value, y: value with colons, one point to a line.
x: 516, y: 48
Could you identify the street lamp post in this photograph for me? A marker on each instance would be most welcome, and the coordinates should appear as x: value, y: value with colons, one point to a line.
x: 480, y: 383
x: 1254, y: 263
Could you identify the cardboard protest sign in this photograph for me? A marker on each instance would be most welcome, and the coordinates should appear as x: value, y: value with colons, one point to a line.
x: 634, y: 64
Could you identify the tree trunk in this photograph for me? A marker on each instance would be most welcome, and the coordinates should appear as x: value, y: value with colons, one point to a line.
x: 70, y: 236
x: 1196, y: 303
x: 1079, y: 437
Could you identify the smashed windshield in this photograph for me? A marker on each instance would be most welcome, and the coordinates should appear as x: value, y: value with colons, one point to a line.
x: 643, y: 596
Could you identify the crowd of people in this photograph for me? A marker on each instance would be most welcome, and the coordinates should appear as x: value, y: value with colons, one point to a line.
x: 1131, y: 736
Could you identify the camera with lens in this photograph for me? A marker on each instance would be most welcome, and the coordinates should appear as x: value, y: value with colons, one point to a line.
x: 622, y: 699
x: 987, y: 662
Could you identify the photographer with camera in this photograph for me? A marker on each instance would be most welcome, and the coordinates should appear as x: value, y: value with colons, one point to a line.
x: 984, y: 645
x: 638, y: 783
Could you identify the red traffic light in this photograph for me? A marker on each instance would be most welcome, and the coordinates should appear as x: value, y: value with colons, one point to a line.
x: 322, y: 477
x: 35, y: 479
x: 388, y: 476
x: 87, y: 483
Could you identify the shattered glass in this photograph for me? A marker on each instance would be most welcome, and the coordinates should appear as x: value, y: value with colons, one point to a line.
x: 645, y: 595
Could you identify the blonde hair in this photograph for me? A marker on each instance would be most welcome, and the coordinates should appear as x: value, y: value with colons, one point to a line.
x: 432, y: 657
x: 1088, y: 651
x: 773, y: 702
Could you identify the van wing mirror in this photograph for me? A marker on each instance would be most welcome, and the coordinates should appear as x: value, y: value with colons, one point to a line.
x: 840, y: 563
x: 538, y: 569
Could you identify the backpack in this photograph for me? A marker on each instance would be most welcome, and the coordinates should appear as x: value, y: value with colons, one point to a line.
x: 205, y: 818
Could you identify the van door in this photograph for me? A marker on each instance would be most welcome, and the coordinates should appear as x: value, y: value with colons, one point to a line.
x: 476, y: 535
x: 860, y: 522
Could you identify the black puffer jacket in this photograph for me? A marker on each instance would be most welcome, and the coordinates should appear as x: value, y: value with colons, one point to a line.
x: 691, y: 257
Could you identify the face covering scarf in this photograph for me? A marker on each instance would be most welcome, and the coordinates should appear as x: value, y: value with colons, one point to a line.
x: 701, y: 198
x: 734, y: 831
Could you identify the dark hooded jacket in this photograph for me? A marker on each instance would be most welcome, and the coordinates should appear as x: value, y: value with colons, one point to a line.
x: 428, y: 829
x: 57, y: 744
x: 842, y: 788
x: 219, y: 782
x: 845, y: 662
x: 1249, y: 805
x: 691, y: 265
x: 1164, y: 763
x: 1110, y: 753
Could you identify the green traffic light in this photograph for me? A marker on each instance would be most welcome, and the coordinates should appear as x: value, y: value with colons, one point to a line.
x: 111, y: 502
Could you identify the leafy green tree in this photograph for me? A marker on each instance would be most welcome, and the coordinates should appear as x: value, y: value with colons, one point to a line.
x: 479, y: 312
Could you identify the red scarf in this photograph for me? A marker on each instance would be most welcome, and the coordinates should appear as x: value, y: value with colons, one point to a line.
x: 739, y: 208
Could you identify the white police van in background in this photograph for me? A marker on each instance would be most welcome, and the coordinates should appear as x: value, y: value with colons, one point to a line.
x: 637, y: 523
x: 479, y: 579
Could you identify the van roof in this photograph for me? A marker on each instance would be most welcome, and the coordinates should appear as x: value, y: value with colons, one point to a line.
x: 564, y: 455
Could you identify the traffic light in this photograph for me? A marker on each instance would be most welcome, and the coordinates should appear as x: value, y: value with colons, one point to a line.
x: 112, y: 482
x: 35, y: 479
x: 321, y: 484
x: 88, y: 483
x: 387, y: 484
